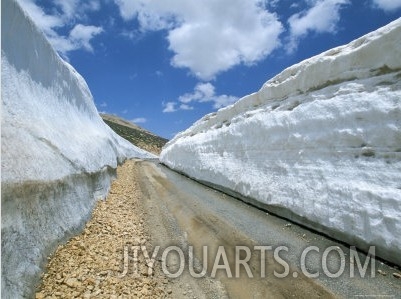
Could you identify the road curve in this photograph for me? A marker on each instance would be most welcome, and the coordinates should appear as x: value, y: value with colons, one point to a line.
x: 186, y: 214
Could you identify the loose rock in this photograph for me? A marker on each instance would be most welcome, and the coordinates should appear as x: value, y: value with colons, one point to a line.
x: 91, y: 264
x: 397, y: 275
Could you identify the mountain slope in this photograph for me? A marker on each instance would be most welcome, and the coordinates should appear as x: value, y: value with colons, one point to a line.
x: 320, y: 143
x: 135, y: 134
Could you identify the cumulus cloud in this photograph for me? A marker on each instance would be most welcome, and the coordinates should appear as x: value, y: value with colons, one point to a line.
x: 76, y: 8
x: 202, y: 93
x: 205, y: 92
x: 169, y: 107
x: 81, y: 35
x: 68, y: 12
x: 186, y: 107
x: 322, y: 17
x: 69, y: 7
x: 388, y: 5
x: 209, y: 37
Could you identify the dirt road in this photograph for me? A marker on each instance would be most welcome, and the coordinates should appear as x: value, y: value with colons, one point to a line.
x: 138, y: 245
x: 195, y: 215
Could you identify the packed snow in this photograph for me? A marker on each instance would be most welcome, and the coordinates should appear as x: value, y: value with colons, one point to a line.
x: 57, y: 155
x: 320, y: 144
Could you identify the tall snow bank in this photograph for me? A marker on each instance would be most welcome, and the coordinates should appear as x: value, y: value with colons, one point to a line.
x: 57, y: 155
x: 320, y: 143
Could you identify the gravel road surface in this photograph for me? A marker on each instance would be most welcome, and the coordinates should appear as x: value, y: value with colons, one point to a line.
x: 245, y: 252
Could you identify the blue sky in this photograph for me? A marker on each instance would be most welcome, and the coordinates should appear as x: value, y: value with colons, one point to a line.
x: 165, y: 63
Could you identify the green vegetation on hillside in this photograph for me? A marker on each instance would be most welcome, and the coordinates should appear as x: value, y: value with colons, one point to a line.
x: 140, y: 138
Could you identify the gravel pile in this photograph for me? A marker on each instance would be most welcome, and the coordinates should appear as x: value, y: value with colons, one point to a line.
x: 91, y: 265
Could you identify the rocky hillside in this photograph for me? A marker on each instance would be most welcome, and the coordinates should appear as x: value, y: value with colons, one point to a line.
x: 135, y: 134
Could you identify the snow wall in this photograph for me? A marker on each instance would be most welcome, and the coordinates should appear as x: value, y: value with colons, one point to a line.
x: 57, y: 155
x: 319, y: 144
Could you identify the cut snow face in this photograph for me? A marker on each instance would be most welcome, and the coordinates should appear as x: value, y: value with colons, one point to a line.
x: 58, y: 156
x: 320, y: 144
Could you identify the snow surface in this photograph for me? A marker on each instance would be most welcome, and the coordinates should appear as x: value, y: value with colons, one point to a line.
x: 320, y: 143
x: 57, y: 155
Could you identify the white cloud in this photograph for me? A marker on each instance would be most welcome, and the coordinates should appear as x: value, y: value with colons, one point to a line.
x: 128, y: 34
x: 169, y: 107
x: 273, y: 3
x: 64, y: 15
x: 103, y: 104
x: 139, y: 120
x: 69, y: 7
x: 93, y: 5
x: 76, y: 8
x: 152, y: 15
x: 209, y: 36
x: 203, y: 92
x: 128, y: 9
x: 81, y: 35
x: 322, y: 17
x: 186, y: 107
x: 388, y: 5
